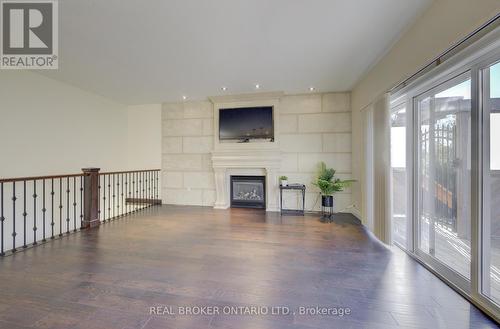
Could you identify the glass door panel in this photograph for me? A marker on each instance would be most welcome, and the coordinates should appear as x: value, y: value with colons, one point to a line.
x: 491, y: 183
x: 399, y: 178
x: 444, y: 174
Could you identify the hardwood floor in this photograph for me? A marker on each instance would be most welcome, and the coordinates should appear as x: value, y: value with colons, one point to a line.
x: 182, y: 257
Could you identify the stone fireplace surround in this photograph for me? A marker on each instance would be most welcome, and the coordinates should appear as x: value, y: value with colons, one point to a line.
x: 246, y: 159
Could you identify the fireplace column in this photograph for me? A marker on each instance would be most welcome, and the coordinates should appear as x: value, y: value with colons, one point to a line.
x: 272, y: 186
x: 221, y: 201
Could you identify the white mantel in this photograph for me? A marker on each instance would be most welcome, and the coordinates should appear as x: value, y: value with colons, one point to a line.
x: 250, y: 159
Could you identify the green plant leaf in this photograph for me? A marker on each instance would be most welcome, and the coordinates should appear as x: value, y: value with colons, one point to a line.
x: 327, y: 182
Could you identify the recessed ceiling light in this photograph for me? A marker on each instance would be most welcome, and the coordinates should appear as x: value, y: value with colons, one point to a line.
x: 224, y: 88
x: 184, y: 97
x: 311, y: 88
x: 257, y: 86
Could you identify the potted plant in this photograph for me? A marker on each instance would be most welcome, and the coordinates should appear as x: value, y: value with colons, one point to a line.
x: 329, y: 185
x: 283, y: 181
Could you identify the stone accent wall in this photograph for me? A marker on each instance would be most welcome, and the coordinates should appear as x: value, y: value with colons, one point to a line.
x: 187, y: 139
x: 313, y: 128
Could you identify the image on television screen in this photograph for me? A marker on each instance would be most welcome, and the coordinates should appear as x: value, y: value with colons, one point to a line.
x: 246, y: 123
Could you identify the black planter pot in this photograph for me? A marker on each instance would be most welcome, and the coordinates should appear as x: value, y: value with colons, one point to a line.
x: 327, y: 201
x: 326, y: 208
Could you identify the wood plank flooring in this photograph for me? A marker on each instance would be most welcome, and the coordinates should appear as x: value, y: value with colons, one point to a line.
x: 230, y: 260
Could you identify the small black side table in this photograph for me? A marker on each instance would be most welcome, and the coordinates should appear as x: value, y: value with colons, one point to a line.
x: 295, y: 187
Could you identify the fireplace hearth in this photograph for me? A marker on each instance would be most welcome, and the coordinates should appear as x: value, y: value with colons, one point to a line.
x: 248, y: 192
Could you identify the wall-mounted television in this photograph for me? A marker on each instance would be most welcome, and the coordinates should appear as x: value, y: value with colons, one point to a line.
x: 246, y: 123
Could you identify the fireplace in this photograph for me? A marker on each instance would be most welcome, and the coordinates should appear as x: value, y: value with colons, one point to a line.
x: 248, y: 192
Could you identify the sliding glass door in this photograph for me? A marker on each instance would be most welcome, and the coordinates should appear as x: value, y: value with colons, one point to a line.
x: 491, y: 182
x: 443, y: 187
x: 445, y: 171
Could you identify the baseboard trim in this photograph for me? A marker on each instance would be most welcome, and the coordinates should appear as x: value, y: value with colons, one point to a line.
x: 356, y: 214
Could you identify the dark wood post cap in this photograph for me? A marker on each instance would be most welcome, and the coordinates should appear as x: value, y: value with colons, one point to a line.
x: 89, y: 170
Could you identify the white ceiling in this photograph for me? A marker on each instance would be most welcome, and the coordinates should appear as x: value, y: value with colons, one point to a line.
x: 138, y: 52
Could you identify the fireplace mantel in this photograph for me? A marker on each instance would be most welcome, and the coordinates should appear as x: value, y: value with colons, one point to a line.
x: 254, y: 158
x: 257, y: 163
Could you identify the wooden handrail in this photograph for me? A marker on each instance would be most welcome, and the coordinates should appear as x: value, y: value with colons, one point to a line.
x: 21, y: 179
x: 126, y: 172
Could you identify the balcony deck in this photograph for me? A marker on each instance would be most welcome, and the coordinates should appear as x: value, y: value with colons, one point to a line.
x: 111, y: 276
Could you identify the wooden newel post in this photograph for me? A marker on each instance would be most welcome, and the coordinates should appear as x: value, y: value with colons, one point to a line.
x: 91, y: 198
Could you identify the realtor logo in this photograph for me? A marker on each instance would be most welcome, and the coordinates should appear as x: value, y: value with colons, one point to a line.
x: 29, y: 34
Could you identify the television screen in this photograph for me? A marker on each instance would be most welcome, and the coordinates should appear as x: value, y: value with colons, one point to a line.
x: 246, y: 123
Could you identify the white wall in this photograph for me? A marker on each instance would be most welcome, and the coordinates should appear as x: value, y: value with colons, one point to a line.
x: 444, y: 23
x: 313, y: 128
x: 48, y: 127
x: 144, y: 136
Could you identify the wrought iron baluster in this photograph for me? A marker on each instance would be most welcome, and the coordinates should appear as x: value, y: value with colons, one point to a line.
x: 44, y: 211
x: 99, y: 198
x: 34, y: 212
x: 60, y: 208
x: 24, y: 215
x: 14, y: 233
x: 81, y: 200
x: 157, y: 185
x: 104, y: 199
x: 2, y: 220
x: 68, y: 191
x: 118, y: 200
x: 137, y: 187
x: 127, y: 188
x: 130, y: 189
x: 109, y: 197
x: 74, y: 204
x: 123, y: 204
x: 140, y: 187
x: 134, y: 192
x: 114, y: 195
x: 52, y: 223
x: 149, y: 187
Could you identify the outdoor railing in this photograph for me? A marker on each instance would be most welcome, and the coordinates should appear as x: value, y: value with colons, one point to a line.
x: 36, y: 209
